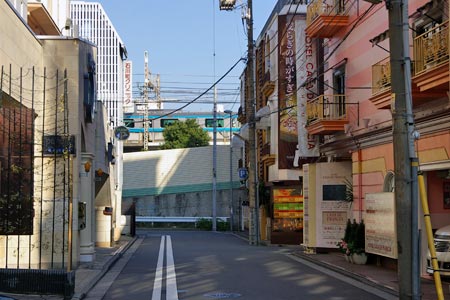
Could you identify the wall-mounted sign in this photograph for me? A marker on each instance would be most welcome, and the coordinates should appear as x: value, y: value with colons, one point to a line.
x: 243, y: 174
x: 90, y: 89
x: 121, y: 133
x: 381, y: 225
x: 127, y: 88
x: 57, y: 144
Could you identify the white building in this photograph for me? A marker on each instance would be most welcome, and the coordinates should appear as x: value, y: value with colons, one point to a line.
x: 91, y: 22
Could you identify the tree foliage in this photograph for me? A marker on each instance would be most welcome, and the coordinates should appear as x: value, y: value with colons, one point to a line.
x: 186, y: 134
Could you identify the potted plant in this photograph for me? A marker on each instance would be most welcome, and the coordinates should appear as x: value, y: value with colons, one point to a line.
x: 358, y: 248
x: 353, y: 242
x: 343, y: 244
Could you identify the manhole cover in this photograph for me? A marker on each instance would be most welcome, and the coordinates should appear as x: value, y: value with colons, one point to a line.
x: 222, y: 295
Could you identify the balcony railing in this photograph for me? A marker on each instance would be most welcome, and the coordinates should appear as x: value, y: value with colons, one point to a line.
x: 431, y: 48
x: 326, y: 108
x: 319, y: 8
x: 381, y: 76
x: 265, y: 150
x: 324, y: 18
x: 268, y: 85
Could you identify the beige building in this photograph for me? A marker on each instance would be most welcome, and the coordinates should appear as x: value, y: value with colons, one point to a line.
x: 55, y: 191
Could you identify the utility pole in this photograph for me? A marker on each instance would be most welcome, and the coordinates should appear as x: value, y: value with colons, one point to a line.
x: 405, y: 160
x: 214, y: 195
x: 158, y: 91
x: 250, y: 112
x: 250, y: 107
x: 145, y: 114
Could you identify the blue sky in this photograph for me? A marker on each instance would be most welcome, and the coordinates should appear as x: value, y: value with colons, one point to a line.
x: 181, y: 37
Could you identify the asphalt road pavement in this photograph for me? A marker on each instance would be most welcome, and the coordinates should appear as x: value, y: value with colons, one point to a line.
x: 196, y: 265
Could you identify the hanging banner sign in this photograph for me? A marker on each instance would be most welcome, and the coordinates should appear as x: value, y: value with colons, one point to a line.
x: 287, y: 95
x: 307, y: 145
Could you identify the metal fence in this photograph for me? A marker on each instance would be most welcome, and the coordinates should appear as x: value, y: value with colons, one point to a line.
x: 35, y: 175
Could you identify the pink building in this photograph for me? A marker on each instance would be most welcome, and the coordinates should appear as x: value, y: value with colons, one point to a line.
x: 351, y: 115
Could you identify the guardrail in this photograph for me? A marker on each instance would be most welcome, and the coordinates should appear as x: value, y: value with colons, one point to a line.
x: 148, y: 219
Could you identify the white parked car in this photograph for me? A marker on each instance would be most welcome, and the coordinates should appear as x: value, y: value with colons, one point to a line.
x: 442, y: 246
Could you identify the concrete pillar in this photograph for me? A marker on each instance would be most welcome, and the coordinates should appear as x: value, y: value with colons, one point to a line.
x: 103, y: 230
x: 87, y: 235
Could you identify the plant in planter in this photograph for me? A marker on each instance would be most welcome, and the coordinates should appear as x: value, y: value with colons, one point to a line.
x: 359, y: 255
x: 353, y: 243
x: 343, y: 244
x: 359, y: 239
x: 348, y: 191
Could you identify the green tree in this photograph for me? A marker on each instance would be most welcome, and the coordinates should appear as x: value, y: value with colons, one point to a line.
x: 186, y: 134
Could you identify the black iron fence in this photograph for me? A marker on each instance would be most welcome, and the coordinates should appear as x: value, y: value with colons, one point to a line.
x: 35, y: 181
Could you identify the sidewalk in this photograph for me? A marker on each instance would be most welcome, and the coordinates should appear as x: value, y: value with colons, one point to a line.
x: 87, y: 274
x: 371, y: 274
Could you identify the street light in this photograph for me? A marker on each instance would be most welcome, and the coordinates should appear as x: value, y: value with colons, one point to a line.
x: 231, y: 168
x: 226, y: 4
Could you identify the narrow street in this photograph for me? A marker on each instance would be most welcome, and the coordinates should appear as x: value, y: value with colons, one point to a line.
x: 207, y: 265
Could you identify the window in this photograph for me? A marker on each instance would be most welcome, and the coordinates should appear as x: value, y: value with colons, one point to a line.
x: 334, y: 192
x: 16, y: 168
x: 210, y: 122
x: 389, y: 182
x: 129, y: 123
x: 339, y: 92
x: 167, y: 122
x: 267, y: 54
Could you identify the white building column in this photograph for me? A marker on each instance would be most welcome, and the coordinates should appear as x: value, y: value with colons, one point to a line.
x: 87, y: 235
x: 118, y: 226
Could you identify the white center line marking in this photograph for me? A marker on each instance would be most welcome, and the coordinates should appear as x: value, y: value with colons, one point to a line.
x: 171, y: 281
x: 157, y: 285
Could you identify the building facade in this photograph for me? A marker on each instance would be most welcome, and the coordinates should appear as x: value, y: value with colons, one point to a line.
x: 362, y: 121
x: 333, y: 57
x: 91, y: 22
x: 49, y: 156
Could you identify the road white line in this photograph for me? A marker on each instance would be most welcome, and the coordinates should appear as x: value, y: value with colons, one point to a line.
x: 157, y: 285
x: 171, y: 280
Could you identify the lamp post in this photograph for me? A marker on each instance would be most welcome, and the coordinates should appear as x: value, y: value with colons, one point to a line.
x: 231, y: 169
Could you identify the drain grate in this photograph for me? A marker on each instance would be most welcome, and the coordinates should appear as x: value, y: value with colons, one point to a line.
x: 220, y: 295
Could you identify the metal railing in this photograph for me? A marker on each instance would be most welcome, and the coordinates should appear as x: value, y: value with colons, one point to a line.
x: 151, y: 219
x: 431, y: 48
x: 381, y: 75
x: 329, y: 8
x: 326, y: 107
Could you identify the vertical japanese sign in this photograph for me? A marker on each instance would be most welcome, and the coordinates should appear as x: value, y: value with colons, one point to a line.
x: 307, y: 145
x: 287, y: 95
x: 128, y: 87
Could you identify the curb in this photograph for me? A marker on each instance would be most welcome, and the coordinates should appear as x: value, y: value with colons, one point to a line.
x: 355, y: 276
x: 116, y: 255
